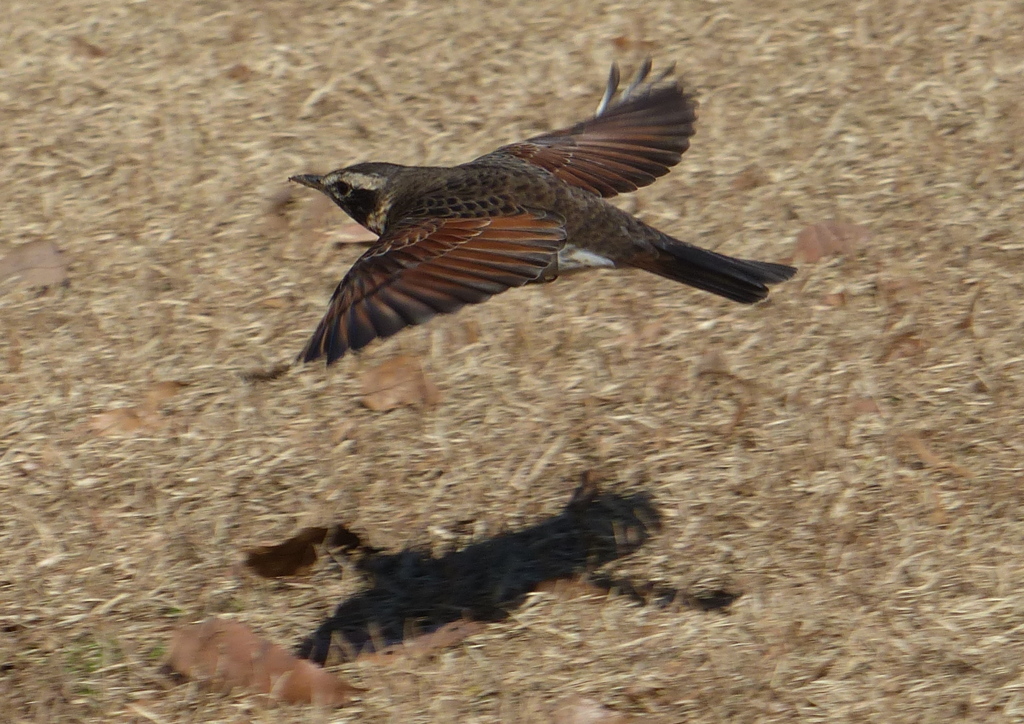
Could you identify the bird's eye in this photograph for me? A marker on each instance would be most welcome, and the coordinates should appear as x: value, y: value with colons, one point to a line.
x: 341, y: 188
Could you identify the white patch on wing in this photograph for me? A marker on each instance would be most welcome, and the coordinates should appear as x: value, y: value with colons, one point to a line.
x: 573, y: 257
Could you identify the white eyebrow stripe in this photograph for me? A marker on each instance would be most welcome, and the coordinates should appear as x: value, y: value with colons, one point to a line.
x: 363, y: 180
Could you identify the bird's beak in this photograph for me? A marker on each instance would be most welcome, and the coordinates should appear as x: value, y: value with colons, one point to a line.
x: 309, y: 179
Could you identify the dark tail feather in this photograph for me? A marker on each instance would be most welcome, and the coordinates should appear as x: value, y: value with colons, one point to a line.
x: 737, y: 279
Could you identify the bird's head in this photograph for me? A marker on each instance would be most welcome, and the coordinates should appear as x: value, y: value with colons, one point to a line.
x: 362, y: 191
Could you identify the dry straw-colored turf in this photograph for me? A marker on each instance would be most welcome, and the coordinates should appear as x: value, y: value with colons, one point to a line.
x: 856, y: 476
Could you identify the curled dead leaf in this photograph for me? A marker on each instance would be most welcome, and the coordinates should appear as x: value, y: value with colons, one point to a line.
x: 226, y: 654
x: 295, y: 557
x: 829, y: 238
x: 36, y: 263
x: 397, y: 382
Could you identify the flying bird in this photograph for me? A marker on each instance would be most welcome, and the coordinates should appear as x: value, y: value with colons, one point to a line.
x: 527, y: 212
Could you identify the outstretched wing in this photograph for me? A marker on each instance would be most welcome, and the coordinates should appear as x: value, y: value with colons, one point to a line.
x: 629, y: 143
x: 427, y: 266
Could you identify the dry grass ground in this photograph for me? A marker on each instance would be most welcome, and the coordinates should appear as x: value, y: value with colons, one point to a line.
x: 857, y: 477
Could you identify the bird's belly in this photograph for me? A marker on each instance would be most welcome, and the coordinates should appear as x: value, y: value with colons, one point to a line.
x: 571, y: 258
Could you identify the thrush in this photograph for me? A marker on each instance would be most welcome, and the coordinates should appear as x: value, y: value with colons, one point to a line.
x: 452, y: 236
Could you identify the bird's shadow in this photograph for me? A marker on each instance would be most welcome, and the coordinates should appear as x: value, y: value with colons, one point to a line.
x: 413, y: 591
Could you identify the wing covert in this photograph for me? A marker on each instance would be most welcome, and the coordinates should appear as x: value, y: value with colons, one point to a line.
x: 428, y: 266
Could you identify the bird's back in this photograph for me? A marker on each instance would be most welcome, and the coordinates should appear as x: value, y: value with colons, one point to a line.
x: 476, y: 190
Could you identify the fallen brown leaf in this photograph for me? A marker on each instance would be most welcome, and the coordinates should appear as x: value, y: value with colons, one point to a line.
x: 829, y: 238
x: 225, y: 654
x: 36, y: 263
x: 295, y: 557
x: 399, y: 381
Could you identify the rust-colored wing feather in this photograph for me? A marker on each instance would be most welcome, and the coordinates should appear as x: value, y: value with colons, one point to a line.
x: 428, y: 266
x: 628, y: 144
